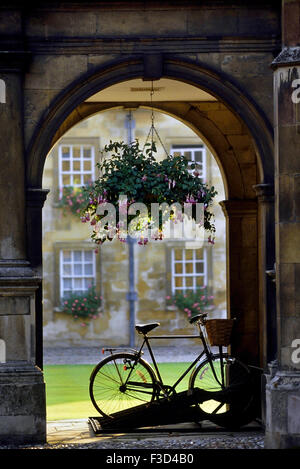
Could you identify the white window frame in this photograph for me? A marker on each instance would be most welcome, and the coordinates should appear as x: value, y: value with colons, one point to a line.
x: 81, y: 159
x: 73, y: 276
x: 185, y: 275
x: 192, y: 149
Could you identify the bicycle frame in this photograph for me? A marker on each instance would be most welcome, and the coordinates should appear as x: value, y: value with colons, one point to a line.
x: 206, y: 352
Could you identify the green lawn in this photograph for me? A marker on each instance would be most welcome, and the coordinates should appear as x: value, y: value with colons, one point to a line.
x: 67, y: 389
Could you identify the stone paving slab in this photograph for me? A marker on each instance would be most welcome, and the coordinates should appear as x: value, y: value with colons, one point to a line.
x: 74, y: 433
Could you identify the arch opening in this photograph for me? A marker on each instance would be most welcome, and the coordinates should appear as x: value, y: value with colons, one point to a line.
x: 244, y: 157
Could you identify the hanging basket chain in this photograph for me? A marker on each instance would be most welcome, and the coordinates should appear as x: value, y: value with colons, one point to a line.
x: 152, y: 129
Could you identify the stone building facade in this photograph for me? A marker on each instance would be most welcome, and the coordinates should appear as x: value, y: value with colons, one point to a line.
x: 54, y: 58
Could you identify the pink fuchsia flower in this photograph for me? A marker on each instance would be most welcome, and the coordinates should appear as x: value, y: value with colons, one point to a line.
x: 211, y: 240
x: 144, y: 178
x: 168, y: 297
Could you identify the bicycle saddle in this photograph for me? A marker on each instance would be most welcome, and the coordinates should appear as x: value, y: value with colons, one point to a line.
x: 145, y: 328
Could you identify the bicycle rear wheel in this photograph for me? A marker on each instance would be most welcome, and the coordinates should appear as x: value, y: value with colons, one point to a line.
x: 232, y: 406
x: 121, y: 381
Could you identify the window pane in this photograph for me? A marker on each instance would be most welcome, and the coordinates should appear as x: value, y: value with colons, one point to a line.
x: 200, y: 282
x: 189, y: 281
x: 66, y: 180
x: 178, y: 254
x: 67, y: 269
x: 178, y: 282
x: 67, y: 256
x: 189, y: 268
x: 87, y: 152
x: 78, y: 284
x: 76, y: 152
x: 76, y: 165
x: 87, y: 165
x: 200, y: 267
x: 88, y: 269
x: 88, y: 283
x: 86, y: 178
x: 198, y: 156
x: 77, y: 179
x: 77, y: 269
x: 67, y: 284
x: 77, y: 256
x: 188, y: 155
x: 88, y: 255
x: 189, y: 254
x: 199, y: 253
x: 66, y: 165
x: 65, y: 152
x: 178, y: 268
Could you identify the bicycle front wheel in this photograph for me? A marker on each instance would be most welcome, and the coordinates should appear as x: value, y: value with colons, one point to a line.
x: 121, y: 381
x: 230, y: 384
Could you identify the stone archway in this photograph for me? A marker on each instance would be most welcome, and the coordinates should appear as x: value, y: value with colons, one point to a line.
x: 246, y: 161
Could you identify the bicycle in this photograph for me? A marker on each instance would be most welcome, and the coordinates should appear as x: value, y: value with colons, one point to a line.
x: 124, y: 379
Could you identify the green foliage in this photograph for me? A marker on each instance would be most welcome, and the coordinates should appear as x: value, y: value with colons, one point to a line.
x: 136, y: 174
x: 191, y: 302
x: 82, y: 306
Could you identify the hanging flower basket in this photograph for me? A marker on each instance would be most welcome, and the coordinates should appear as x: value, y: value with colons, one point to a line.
x: 131, y: 176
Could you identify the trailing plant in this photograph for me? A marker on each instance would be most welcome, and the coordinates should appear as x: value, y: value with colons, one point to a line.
x: 132, y: 175
x: 82, y: 306
x: 191, y: 302
x: 73, y: 199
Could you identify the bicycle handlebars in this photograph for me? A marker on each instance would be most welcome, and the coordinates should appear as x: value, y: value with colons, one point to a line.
x: 198, y: 317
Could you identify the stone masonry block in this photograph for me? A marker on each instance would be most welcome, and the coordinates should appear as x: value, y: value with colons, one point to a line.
x: 289, y: 238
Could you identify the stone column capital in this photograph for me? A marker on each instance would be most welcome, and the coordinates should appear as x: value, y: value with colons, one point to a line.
x: 14, y: 61
x: 36, y: 197
x: 264, y: 192
x: 239, y: 207
x: 289, y: 56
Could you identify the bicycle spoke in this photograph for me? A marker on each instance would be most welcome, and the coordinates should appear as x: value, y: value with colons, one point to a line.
x: 121, y: 382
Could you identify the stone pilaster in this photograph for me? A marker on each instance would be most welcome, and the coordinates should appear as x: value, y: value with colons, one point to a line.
x: 242, y: 281
x: 283, y: 382
x: 267, y: 291
x: 35, y: 199
x: 22, y: 389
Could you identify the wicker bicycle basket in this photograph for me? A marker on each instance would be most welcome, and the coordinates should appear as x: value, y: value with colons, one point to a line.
x: 219, y: 331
